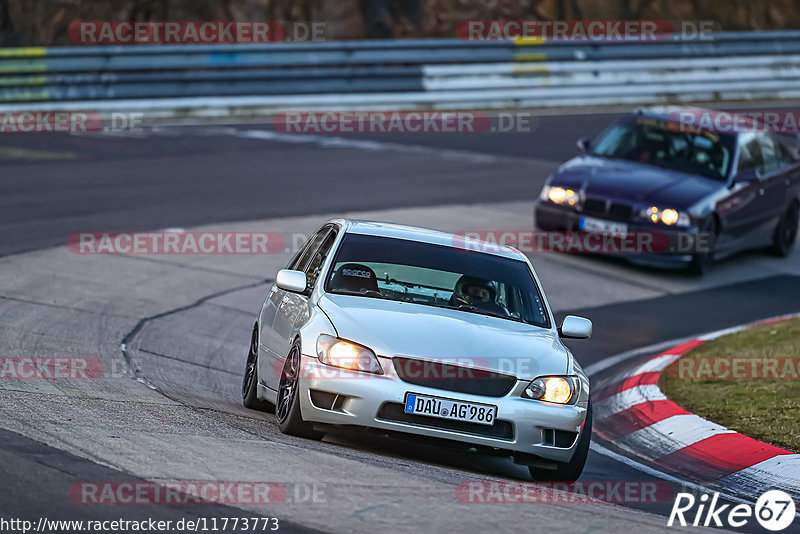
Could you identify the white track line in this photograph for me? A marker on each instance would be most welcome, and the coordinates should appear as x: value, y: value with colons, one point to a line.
x: 776, y: 472
x: 658, y: 347
x: 628, y: 399
x: 331, y: 141
x: 659, y: 363
x: 680, y: 431
x: 611, y: 361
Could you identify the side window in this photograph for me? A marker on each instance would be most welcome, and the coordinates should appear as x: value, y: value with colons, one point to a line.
x: 750, y: 153
x: 314, y: 266
x: 770, y: 152
x: 785, y: 156
x: 311, y: 245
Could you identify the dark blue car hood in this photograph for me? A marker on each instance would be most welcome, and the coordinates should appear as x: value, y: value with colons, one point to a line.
x: 633, y: 182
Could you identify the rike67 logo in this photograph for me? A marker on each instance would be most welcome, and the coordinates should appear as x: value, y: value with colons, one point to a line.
x: 774, y: 510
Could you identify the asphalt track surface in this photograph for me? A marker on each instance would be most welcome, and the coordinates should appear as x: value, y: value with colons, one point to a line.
x: 97, y: 183
x: 53, y: 186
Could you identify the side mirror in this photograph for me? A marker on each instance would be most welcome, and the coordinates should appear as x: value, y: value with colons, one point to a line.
x: 575, y: 327
x: 584, y: 144
x: 746, y: 176
x: 292, y: 281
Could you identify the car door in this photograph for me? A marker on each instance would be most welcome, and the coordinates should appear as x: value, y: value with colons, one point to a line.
x: 742, y: 212
x: 271, y: 345
x: 780, y: 168
x: 289, y: 305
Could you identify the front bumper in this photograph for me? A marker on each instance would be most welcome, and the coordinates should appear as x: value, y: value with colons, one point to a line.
x: 376, y: 401
x: 671, y: 247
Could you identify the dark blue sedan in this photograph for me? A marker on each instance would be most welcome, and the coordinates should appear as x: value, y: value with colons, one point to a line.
x: 711, y: 194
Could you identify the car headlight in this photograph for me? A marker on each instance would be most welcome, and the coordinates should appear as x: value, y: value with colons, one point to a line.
x: 347, y: 355
x: 557, y: 389
x: 559, y: 195
x: 668, y: 216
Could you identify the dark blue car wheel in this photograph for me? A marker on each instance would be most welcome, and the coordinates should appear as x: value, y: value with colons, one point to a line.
x: 786, y: 231
x: 702, y: 260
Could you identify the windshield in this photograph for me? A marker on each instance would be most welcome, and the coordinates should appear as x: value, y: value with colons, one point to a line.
x: 436, y: 275
x: 663, y: 144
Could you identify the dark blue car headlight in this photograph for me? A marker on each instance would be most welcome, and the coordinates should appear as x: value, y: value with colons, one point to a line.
x: 669, y: 216
x: 563, y: 196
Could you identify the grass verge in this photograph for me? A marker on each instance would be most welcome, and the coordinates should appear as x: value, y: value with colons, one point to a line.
x: 744, y: 396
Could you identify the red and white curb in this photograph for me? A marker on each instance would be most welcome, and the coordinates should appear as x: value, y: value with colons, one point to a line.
x: 634, y: 414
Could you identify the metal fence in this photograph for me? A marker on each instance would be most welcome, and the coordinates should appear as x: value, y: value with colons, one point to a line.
x: 410, y: 73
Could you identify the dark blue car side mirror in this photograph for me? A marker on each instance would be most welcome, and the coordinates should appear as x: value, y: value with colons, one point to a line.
x: 584, y: 144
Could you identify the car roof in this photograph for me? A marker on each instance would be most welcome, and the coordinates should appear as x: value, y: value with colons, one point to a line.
x: 662, y: 112
x: 426, y: 235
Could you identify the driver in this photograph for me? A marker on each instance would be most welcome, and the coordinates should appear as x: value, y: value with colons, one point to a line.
x: 479, y: 293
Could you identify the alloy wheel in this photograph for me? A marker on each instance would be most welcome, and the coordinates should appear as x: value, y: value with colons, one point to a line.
x: 250, y: 368
x: 287, y: 389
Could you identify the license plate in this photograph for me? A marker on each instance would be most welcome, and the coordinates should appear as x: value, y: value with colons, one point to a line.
x: 590, y: 224
x: 455, y: 410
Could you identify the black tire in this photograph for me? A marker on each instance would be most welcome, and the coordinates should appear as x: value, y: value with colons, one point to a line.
x: 702, y: 261
x: 570, y: 472
x: 250, y: 381
x: 287, y: 410
x: 786, y: 232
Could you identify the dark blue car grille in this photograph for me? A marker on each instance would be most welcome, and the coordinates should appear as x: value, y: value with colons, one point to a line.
x: 596, y: 206
x: 620, y: 211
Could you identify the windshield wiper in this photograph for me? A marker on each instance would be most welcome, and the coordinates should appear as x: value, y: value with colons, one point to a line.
x: 474, y: 309
x: 362, y: 293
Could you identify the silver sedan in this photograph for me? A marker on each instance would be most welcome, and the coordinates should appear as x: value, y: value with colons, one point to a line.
x: 425, y: 333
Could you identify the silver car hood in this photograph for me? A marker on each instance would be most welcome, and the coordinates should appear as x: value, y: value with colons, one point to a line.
x: 392, y: 328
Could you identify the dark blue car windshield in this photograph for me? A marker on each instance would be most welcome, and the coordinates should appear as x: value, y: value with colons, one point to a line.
x: 656, y: 142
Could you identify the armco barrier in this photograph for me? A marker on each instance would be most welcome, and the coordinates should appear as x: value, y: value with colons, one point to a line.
x: 443, y: 73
